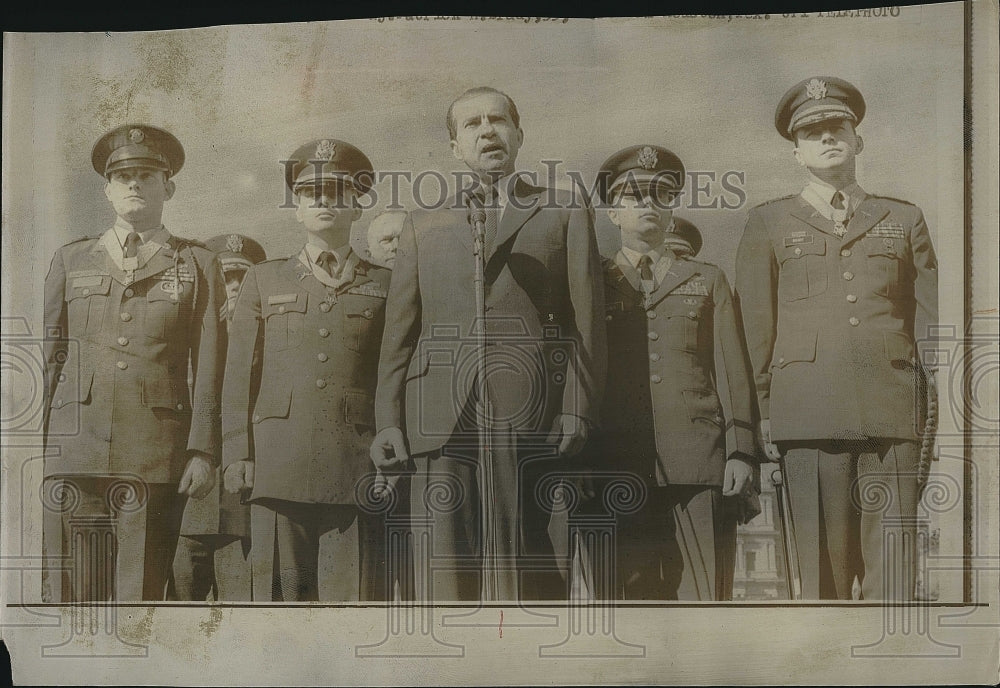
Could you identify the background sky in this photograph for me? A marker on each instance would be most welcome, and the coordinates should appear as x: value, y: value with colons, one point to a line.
x: 242, y: 98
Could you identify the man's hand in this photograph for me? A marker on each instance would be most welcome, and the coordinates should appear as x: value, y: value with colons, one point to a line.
x: 738, y: 477
x: 770, y: 449
x: 385, y: 484
x: 388, y: 451
x: 238, y: 476
x: 571, y: 432
x: 199, y: 477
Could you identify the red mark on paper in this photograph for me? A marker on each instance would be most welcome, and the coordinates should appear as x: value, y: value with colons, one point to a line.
x: 501, y: 623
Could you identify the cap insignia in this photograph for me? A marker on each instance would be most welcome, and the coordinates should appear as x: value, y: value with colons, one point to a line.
x: 647, y: 158
x: 136, y: 135
x: 234, y: 243
x: 816, y: 89
x: 326, y: 150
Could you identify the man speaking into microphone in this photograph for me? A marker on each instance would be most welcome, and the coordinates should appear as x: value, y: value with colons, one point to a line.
x: 538, y: 357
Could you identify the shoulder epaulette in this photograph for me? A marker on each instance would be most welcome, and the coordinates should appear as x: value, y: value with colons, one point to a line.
x: 79, y: 239
x: 191, y: 242
x: 775, y: 200
x: 890, y: 198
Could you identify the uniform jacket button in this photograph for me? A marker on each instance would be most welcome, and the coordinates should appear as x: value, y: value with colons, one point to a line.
x: 256, y: 418
x: 123, y: 341
x: 781, y: 359
x: 692, y: 314
x: 655, y: 379
x: 86, y: 292
x: 325, y: 307
x: 654, y: 356
x: 854, y: 322
x: 653, y: 335
x: 798, y: 251
x: 848, y: 276
x: 322, y: 357
x: 281, y: 309
x: 62, y: 377
x: 129, y: 293
x: 367, y: 313
x: 651, y: 315
x: 852, y: 298
x: 122, y: 365
x: 180, y: 407
x: 323, y: 332
x: 845, y: 252
x: 607, y: 317
x: 126, y: 317
x: 321, y: 383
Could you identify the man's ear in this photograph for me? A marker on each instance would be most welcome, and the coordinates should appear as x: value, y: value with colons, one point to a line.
x: 520, y: 137
x: 861, y: 145
x: 798, y: 156
x: 170, y: 187
x: 613, y: 216
x: 298, y: 208
x: 107, y: 190
x: 454, y: 150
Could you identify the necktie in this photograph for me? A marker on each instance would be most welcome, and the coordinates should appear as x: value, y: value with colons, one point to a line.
x: 839, y: 205
x: 646, y: 272
x: 132, y: 242
x: 328, y: 262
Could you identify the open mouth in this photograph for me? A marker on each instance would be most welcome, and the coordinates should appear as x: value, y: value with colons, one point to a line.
x: 491, y: 148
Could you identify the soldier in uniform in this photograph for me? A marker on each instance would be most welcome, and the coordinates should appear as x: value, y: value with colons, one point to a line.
x: 297, y: 429
x: 835, y: 286
x: 212, y: 552
x: 383, y: 237
x: 679, y: 414
x: 126, y: 315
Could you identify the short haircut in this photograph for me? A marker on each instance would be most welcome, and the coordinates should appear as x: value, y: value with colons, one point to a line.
x: 478, y: 91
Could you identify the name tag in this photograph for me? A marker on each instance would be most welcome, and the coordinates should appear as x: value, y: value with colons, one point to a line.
x: 278, y: 299
x: 796, y: 239
x: 87, y: 273
x: 368, y: 290
x: 692, y: 288
x: 887, y: 230
x: 89, y: 281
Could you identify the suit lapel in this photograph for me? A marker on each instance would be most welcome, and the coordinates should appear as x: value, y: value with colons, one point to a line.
x: 101, y: 259
x: 868, y: 214
x: 522, y: 203
x: 624, y: 276
x: 300, y: 274
x: 813, y: 217
x: 162, y: 260
x: 680, y: 271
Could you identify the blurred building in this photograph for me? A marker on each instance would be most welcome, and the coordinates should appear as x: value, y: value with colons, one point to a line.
x: 760, y: 559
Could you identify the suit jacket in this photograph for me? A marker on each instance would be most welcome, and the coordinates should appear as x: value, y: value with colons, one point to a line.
x: 831, y: 322
x: 305, y: 416
x: 680, y: 397
x: 545, y: 321
x: 118, y: 355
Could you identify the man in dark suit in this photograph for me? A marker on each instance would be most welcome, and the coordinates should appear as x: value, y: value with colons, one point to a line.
x: 836, y: 286
x: 544, y: 353
x: 212, y: 552
x: 299, y: 393
x: 126, y: 315
x: 679, y: 414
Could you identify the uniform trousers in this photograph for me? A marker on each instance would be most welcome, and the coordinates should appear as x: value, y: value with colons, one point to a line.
x: 680, y: 545
x: 445, y: 509
x: 853, y: 513
x: 310, y: 552
x: 113, y: 540
x: 211, y: 564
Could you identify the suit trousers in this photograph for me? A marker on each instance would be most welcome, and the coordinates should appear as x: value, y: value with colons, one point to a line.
x: 446, y: 517
x: 310, y: 552
x: 211, y: 564
x: 114, y: 540
x: 680, y: 545
x: 853, y: 514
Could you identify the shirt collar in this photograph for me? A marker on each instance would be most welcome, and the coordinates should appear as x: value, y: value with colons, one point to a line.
x: 341, y: 254
x: 158, y: 235
x: 825, y: 192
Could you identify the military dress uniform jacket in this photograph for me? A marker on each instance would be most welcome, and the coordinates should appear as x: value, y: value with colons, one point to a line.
x: 830, y: 321
x: 545, y: 310
x: 118, y: 354
x: 306, y: 415
x: 680, y: 402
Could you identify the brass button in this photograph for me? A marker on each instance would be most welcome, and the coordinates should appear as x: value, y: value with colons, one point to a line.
x: 888, y: 242
x: 655, y: 379
x: 781, y: 359
x: 692, y: 314
x: 126, y: 317
x: 654, y: 356
x: 854, y: 322
x: 281, y: 309
x: 325, y: 307
x: 122, y: 365
x: 852, y: 298
x: 321, y: 383
x: 180, y: 407
x: 848, y: 276
x: 368, y: 313
x: 323, y: 332
x: 653, y: 335
x: 651, y: 315
x: 256, y: 418
x: 129, y: 293
x: 322, y: 357
x: 845, y: 252
x: 86, y: 292
x: 62, y: 377
x: 798, y: 251
x: 123, y: 341
x: 607, y: 317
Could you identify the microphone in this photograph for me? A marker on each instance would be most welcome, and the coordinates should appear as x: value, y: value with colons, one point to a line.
x: 476, y: 203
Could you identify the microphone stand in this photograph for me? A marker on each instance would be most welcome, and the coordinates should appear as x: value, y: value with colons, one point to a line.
x: 490, y: 588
